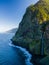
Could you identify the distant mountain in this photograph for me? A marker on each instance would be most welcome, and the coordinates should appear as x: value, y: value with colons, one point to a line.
x: 12, y: 30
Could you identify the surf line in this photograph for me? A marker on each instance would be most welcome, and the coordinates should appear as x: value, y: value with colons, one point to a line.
x: 26, y: 53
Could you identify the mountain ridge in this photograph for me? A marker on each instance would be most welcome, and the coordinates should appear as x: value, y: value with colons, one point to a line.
x: 12, y: 30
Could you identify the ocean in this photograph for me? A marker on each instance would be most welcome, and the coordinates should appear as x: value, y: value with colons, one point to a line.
x: 11, y: 54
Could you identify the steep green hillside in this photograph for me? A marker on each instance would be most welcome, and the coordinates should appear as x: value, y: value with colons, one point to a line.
x: 28, y: 34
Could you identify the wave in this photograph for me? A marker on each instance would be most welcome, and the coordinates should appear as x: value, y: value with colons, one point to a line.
x: 26, y: 53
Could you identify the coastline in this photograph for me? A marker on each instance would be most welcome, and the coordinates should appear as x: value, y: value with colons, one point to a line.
x: 35, y: 58
x: 26, y: 53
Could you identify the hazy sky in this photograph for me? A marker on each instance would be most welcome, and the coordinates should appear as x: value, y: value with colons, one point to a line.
x: 11, y: 12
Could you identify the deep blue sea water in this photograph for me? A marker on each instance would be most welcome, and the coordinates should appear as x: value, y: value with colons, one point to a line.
x: 10, y: 54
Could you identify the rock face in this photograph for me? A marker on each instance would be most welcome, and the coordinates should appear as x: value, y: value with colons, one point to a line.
x: 28, y: 34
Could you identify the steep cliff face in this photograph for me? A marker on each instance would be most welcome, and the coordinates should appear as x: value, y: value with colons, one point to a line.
x: 29, y: 32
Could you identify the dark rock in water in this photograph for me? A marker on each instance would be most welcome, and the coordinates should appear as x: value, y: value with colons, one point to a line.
x: 29, y: 32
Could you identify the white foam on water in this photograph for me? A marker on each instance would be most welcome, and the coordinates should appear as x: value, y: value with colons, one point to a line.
x: 26, y: 53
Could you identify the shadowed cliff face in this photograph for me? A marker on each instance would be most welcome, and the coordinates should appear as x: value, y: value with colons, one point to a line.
x: 29, y: 32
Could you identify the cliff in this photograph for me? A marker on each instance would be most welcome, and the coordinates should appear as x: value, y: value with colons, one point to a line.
x: 29, y: 32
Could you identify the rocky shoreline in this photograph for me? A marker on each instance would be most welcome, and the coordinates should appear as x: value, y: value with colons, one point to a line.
x: 25, y: 53
x: 35, y: 59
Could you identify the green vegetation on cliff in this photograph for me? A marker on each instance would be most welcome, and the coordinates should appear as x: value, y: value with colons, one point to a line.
x: 28, y: 34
